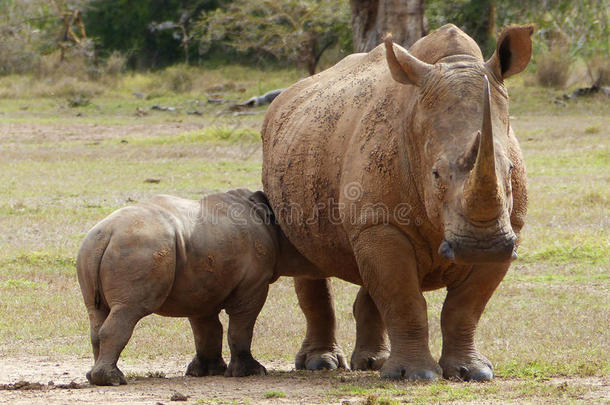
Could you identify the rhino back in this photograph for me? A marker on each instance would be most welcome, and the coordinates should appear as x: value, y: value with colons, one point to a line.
x: 316, y: 135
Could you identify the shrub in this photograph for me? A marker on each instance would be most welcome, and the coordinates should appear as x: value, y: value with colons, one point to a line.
x: 16, y: 54
x: 178, y: 78
x: 115, y: 64
x: 553, y: 68
x: 76, y: 64
x: 599, y: 70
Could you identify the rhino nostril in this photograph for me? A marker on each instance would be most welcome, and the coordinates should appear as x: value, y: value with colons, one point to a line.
x: 464, y: 372
x: 445, y: 250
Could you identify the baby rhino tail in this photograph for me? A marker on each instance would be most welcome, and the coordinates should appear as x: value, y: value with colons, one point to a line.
x: 88, y: 265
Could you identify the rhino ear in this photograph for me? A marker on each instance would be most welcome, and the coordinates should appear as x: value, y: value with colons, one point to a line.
x: 262, y: 206
x: 513, y: 51
x: 405, y: 68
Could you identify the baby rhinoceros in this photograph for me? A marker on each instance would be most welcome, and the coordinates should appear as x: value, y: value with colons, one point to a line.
x: 182, y: 258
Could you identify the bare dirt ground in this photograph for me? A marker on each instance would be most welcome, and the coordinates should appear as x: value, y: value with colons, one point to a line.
x: 61, y: 380
x: 46, y: 380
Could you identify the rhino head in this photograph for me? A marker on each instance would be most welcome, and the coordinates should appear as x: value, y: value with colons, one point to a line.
x: 460, y: 138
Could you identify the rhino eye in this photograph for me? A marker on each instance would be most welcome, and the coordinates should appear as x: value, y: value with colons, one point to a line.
x: 510, y: 167
x: 435, y: 173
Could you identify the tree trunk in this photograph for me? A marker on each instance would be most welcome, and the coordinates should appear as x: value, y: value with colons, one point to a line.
x: 373, y: 19
x: 491, y: 21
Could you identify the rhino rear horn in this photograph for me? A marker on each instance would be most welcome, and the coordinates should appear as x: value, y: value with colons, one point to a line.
x: 405, y: 68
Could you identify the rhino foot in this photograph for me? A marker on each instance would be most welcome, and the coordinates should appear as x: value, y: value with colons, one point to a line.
x: 320, y: 359
x: 397, y: 371
x: 108, y: 375
x: 243, y: 366
x: 366, y: 360
x: 202, y: 367
x: 473, y: 369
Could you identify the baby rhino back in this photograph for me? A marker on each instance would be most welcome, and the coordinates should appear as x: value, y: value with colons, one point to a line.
x: 224, y: 243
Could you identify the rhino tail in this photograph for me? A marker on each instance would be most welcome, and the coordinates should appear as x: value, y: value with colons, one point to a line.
x: 90, y: 259
x: 97, y: 285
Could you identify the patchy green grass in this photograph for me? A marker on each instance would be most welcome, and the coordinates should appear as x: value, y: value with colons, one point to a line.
x: 374, y: 391
x: 63, y: 169
x: 274, y: 394
x: 210, y: 135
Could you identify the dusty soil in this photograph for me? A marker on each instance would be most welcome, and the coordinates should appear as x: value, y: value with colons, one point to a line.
x: 46, y: 380
x: 55, y: 380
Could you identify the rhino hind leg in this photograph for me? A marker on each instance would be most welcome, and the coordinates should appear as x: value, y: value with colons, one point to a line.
x: 372, y: 347
x: 319, y: 350
x: 113, y: 336
x: 243, y: 309
x: 97, y: 316
x: 461, y: 312
x: 208, y: 343
x: 393, y: 283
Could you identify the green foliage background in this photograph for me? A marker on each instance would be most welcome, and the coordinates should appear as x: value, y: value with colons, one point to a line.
x: 125, y: 25
x: 279, y: 31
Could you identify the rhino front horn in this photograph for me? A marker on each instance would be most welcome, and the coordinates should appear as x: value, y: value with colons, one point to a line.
x: 445, y: 250
x: 481, y: 192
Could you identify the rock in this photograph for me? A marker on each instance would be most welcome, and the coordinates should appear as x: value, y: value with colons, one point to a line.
x: 177, y: 396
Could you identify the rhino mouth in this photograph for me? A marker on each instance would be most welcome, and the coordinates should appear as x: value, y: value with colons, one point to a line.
x: 466, y: 249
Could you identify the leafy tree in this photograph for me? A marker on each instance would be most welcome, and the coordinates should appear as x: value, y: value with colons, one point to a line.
x: 581, y: 26
x: 31, y: 28
x: 475, y: 17
x: 150, y: 32
x: 295, y: 30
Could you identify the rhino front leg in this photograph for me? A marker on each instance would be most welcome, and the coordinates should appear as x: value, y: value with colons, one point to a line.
x: 462, y: 309
x: 387, y: 264
x: 319, y: 349
x: 207, y: 331
x: 372, y: 348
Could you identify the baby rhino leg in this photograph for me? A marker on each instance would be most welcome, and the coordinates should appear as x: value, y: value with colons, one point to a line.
x: 243, y: 308
x: 208, y: 342
x: 112, y: 338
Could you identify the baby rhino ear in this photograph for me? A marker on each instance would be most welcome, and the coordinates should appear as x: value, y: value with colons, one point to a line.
x: 513, y: 51
x: 262, y: 207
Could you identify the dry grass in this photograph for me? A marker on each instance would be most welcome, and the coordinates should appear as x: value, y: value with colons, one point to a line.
x: 59, y: 176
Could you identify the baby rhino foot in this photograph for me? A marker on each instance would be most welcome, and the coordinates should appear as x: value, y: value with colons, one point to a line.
x: 243, y: 366
x: 320, y: 359
x: 108, y: 375
x: 201, y: 367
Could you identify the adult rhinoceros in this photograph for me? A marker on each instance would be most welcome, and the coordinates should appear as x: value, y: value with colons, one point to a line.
x: 399, y: 171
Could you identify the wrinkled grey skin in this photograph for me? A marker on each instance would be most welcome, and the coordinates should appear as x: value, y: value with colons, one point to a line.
x: 178, y: 257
